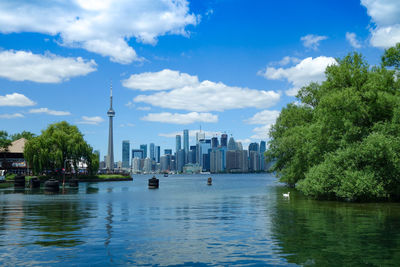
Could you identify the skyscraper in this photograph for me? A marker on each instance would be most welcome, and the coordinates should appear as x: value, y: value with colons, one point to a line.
x: 144, y: 148
x: 178, y: 143
x: 186, y: 141
x: 158, y: 151
x: 125, y: 154
x: 232, y: 144
x: 214, y: 142
x: 224, y: 140
x: 110, y: 155
x: 167, y: 151
x: 152, y: 152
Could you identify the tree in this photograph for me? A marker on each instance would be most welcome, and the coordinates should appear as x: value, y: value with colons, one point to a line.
x: 24, y: 134
x: 342, y: 141
x: 59, y: 142
x: 5, y: 142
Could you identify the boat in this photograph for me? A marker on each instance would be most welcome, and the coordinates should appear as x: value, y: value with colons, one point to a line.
x: 209, y: 181
x: 153, y: 183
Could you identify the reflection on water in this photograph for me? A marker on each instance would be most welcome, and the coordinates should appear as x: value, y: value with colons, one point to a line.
x: 239, y: 220
x: 337, y: 234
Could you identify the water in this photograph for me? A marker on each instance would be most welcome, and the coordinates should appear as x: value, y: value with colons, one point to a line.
x: 240, y: 220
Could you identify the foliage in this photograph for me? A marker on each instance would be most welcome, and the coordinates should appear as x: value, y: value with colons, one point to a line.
x: 24, y: 134
x: 58, y: 143
x: 5, y: 142
x: 342, y: 140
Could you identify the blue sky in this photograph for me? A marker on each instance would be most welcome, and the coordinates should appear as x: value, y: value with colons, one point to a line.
x: 229, y: 66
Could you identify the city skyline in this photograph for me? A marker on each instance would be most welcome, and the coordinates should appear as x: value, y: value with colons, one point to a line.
x: 225, y: 66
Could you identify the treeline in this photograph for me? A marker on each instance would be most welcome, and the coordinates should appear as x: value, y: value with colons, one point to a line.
x: 342, y: 141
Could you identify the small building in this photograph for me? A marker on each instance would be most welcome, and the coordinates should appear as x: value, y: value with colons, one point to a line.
x: 12, y: 159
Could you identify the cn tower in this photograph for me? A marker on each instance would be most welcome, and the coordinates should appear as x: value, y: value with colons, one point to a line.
x: 110, y: 155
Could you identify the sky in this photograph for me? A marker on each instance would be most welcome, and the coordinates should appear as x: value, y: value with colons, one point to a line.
x: 227, y: 66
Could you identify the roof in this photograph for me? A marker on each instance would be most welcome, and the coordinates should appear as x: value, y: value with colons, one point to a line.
x: 17, y: 146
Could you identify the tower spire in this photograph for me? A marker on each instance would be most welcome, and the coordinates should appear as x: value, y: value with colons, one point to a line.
x: 110, y: 155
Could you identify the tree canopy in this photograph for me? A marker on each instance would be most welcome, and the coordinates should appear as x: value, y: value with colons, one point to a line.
x: 342, y: 141
x: 59, y: 142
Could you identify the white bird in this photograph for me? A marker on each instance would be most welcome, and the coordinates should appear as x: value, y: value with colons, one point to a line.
x: 286, y: 195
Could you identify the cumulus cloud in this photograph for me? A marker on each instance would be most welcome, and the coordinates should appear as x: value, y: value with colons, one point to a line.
x: 16, y: 100
x: 308, y: 70
x: 177, y: 118
x: 352, y: 39
x: 48, y: 68
x: 262, y: 132
x: 102, y: 27
x: 162, y: 80
x: 49, y: 112
x: 11, y: 116
x: 264, y: 117
x: 312, y: 41
x: 206, y: 96
x: 386, y: 16
x: 288, y: 60
x: 91, y: 120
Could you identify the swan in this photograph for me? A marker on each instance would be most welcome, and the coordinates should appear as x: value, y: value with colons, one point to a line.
x: 286, y: 195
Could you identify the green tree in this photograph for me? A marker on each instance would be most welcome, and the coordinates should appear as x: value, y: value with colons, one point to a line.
x: 5, y: 141
x: 24, y: 134
x: 59, y: 142
x: 342, y: 140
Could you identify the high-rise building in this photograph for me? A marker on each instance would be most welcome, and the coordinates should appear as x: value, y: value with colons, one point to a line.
x: 263, y: 165
x: 110, y: 154
x: 125, y: 153
x: 136, y: 165
x: 178, y: 144
x: 254, y: 147
x: 186, y: 141
x: 167, y: 151
x: 203, y: 146
x: 254, y: 161
x: 232, y: 144
x: 152, y: 152
x: 144, y: 148
x: 224, y: 140
x: 192, y: 155
x: 262, y: 146
x: 158, y: 151
x: 137, y: 153
x: 239, y: 146
x: 180, y: 160
x: 214, y: 142
x: 200, y: 136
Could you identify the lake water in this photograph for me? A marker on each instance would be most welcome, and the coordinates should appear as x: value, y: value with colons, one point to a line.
x: 240, y: 220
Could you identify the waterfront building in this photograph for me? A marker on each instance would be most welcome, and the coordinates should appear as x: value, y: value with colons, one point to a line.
x: 191, y: 168
x: 178, y: 143
x: 232, y: 144
x: 214, y: 142
x: 254, y: 161
x: 243, y: 160
x: 165, y: 162
x: 158, y: 151
x: 138, y: 153
x: 224, y: 140
x: 180, y: 160
x: 263, y: 165
x: 136, y: 165
x: 233, y: 161
x: 203, y: 146
x: 239, y: 146
x: 125, y: 154
x: 218, y: 160
x: 12, y: 158
x: 152, y: 152
x: 147, y: 165
x: 144, y: 148
x: 186, y: 141
x: 110, y: 154
x: 192, y: 155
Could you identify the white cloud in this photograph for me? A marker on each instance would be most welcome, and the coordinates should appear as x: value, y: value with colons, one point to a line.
x: 91, y: 120
x: 143, y: 108
x: 352, y: 39
x: 308, y: 70
x: 11, y: 116
x: 262, y: 132
x: 16, y: 100
x: 312, y: 41
x: 162, y: 80
x: 386, y: 16
x: 207, y: 96
x: 102, y: 27
x: 177, y: 118
x: 264, y: 117
x: 288, y: 60
x: 48, y: 68
x: 49, y: 112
